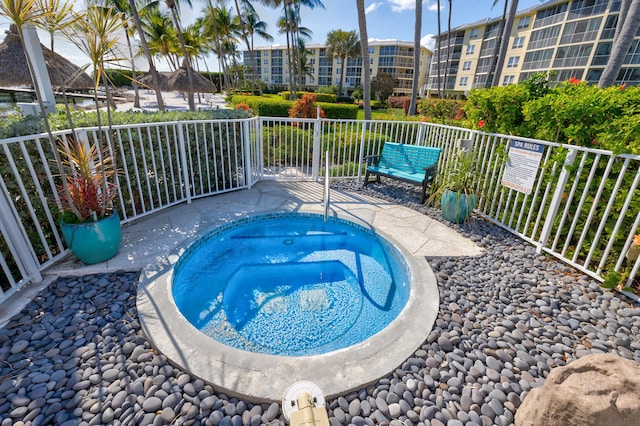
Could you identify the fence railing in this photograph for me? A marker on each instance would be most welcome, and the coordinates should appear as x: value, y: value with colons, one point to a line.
x: 584, y: 207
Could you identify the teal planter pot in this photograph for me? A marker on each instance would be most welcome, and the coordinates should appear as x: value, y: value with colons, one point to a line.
x: 457, y: 207
x: 94, y: 242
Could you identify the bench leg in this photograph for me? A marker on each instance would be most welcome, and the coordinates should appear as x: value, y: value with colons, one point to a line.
x: 366, y: 178
x: 423, y: 196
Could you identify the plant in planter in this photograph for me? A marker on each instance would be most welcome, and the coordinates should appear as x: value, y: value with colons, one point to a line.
x: 89, y: 224
x: 456, y: 190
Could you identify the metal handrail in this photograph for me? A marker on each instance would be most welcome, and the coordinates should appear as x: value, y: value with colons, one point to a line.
x: 326, y: 186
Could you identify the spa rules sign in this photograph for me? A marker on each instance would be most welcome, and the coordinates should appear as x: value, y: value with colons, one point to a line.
x: 522, y: 166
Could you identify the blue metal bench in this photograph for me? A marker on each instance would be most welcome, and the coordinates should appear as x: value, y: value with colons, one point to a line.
x: 408, y: 163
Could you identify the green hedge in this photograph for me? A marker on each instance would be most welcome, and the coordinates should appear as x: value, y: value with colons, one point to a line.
x: 16, y: 125
x: 320, y: 97
x: 337, y: 111
x: 268, y: 107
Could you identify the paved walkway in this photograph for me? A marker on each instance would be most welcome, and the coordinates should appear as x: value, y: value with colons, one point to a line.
x: 153, y: 238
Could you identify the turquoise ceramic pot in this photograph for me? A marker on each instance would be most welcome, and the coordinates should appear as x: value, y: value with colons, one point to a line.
x: 457, y: 207
x: 94, y: 242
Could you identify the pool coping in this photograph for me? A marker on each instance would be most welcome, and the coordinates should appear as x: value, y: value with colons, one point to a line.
x: 265, y: 378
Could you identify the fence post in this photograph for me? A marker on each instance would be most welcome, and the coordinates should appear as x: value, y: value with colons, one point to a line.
x: 246, y: 139
x: 17, y: 235
x: 185, y: 163
x: 554, y: 206
x: 315, y: 156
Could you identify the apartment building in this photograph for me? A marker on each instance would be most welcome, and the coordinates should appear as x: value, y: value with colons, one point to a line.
x: 573, y: 38
x: 392, y: 56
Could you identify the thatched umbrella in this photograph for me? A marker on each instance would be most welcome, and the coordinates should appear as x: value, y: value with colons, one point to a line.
x: 178, y: 80
x: 147, y: 80
x: 14, y: 70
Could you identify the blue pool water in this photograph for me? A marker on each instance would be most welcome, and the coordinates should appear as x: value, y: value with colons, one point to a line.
x: 290, y: 284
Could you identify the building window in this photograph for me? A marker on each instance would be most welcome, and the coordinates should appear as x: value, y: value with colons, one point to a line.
x: 524, y: 22
x: 466, y: 66
x: 508, y: 79
x: 266, y: 62
x: 471, y: 49
x: 513, y: 61
x: 473, y: 33
x: 371, y: 50
x: 518, y: 43
x: 464, y: 81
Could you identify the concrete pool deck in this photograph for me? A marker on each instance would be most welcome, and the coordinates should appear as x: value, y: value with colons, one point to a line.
x: 152, y: 244
x: 152, y: 239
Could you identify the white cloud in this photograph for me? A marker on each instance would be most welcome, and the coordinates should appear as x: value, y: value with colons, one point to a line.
x: 402, y: 5
x: 373, y: 6
x: 429, y: 41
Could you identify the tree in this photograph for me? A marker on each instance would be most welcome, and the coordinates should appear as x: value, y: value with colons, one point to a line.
x: 416, y: 58
x: 290, y: 24
x: 173, y: 7
x: 161, y: 36
x: 343, y: 45
x: 254, y: 26
x: 364, y: 49
x: 218, y: 25
x: 504, y: 41
x: 438, y: 48
x: 383, y: 85
x: 449, y: 49
x: 123, y: 8
x: 626, y: 29
x: 145, y: 48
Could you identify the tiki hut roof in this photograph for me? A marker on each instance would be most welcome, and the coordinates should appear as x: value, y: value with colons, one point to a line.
x: 14, y: 70
x: 178, y: 80
x: 148, y: 81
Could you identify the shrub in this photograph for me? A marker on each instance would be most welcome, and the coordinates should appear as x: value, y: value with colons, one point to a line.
x: 441, y: 110
x: 397, y: 101
x: 326, y: 97
x: 243, y: 106
x: 306, y: 107
x: 337, y: 111
x: 120, y: 77
x: 268, y: 107
x: 344, y: 99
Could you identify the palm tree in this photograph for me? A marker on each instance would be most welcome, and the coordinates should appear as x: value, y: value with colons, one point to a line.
x: 503, y: 43
x: 218, y: 25
x: 96, y: 33
x: 161, y: 36
x: 628, y: 23
x: 145, y: 47
x: 123, y: 8
x: 245, y: 37
x: 22, y: 13
x: 58, y: 16
x: 254, y: 26
x: 416, y: 58
x: 449, y: 49
x: 343, y: 44
x: 172, y: 5
x: 438, y: 46
x: 290, y: 24
x: 364, y: 49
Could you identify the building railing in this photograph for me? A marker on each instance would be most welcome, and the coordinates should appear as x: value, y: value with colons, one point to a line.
x: 583, y: 209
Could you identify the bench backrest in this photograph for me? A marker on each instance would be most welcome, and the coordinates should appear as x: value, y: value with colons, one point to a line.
x: 410, y: 158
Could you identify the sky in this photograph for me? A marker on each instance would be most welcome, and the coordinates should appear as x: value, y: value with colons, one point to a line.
x: 386, y: 19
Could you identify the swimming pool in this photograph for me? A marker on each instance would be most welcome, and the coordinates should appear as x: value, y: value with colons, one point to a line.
x: 265, y: 377
x: 291, y: 284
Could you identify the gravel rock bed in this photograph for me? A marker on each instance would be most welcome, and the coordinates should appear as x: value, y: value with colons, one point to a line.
x: 76, y: 354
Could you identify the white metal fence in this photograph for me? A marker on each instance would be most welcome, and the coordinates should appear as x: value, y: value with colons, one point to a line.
x: 584, y: 208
